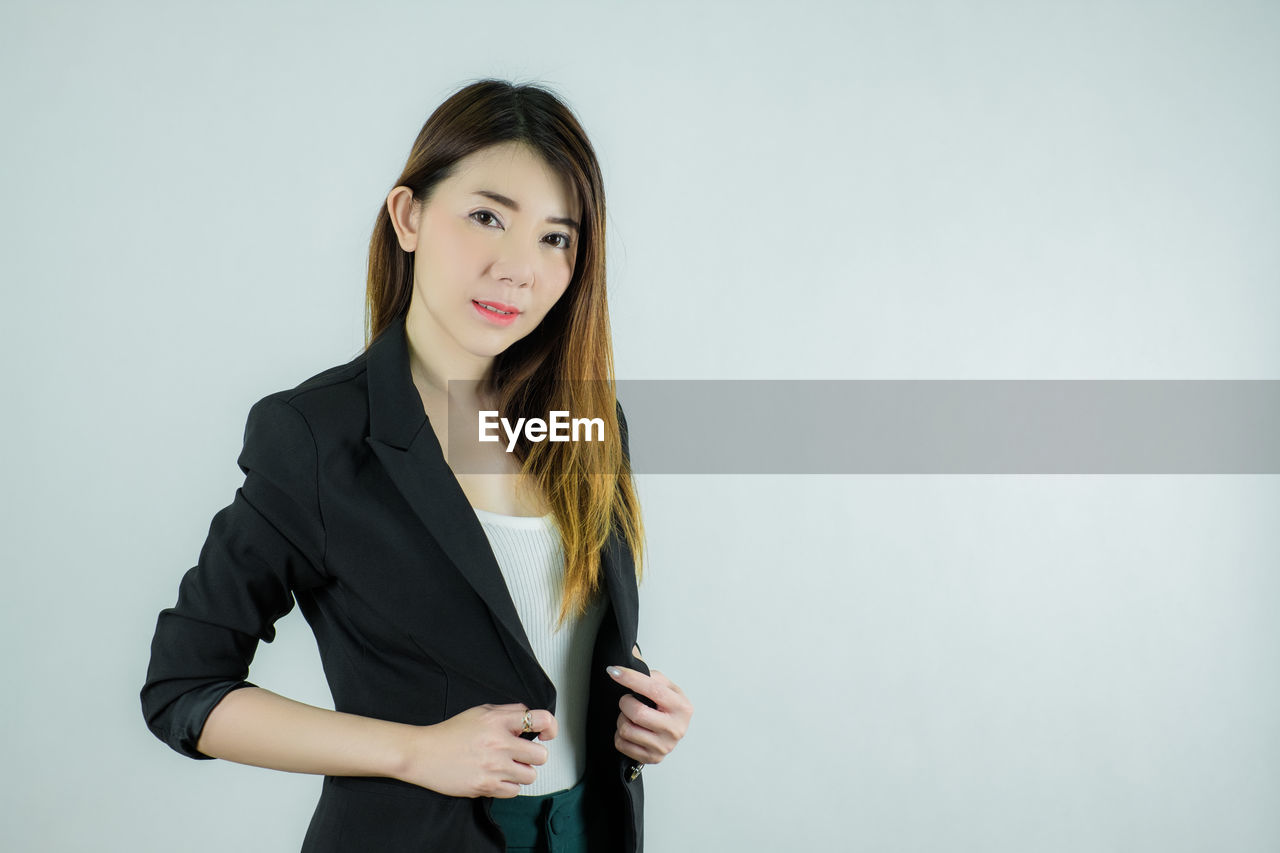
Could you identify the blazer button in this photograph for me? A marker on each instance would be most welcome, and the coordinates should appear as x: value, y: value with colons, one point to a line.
x: 635, y: 771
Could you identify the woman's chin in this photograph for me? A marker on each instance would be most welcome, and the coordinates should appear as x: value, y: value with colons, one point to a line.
x: 491, y: 346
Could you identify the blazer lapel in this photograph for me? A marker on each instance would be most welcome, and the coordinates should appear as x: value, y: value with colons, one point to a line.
x: 405, y: 443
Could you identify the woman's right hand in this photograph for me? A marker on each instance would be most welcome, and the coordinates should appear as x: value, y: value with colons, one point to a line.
x: 479, y: 752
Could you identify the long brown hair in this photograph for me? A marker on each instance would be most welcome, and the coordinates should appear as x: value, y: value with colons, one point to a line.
x: 588, y: 484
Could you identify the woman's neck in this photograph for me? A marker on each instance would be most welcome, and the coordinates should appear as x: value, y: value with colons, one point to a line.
x: 433, y: 362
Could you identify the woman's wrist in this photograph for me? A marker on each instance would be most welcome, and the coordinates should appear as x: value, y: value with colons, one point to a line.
x: 413, y: 743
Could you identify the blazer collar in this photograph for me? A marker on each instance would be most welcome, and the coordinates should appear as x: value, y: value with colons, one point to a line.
x: 405, y: 443
x: 396, y: 416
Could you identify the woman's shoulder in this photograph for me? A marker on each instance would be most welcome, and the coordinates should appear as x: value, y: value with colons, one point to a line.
x: 336, y: 396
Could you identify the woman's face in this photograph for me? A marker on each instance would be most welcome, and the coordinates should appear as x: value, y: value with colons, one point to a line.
x: 501, y: 231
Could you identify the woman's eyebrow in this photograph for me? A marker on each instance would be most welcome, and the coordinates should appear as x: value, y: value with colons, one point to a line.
x: 508, y: 202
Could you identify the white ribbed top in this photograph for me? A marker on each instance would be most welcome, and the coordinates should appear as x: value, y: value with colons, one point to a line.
x: 531, y: 556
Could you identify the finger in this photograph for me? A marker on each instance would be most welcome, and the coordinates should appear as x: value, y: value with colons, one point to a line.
x: 521, y: 773
x: 515, y: 719
x: 652, y: 742
x: 506, y: 790
x: 516, y: 716
x: 642, y: 715
x: 670, y: 724
x: 546, y: 723
x: 528, y: 752
x: 660, y: 677
x: 641, y: 682
x: 647, y: 685
x: 631, y: 750
x: 641, y: 735
x: 636, y: 733
x: 662, y: 683
x: 632, y: 679
x: 639, y: 751
x: 540, y: 720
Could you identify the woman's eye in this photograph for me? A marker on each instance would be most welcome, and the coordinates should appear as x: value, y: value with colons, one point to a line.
x: 488, y: 220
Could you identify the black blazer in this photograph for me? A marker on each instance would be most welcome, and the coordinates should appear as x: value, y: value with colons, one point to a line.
x: 349, y: 506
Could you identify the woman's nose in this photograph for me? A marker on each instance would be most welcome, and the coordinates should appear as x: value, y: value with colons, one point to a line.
x: 514, y: 264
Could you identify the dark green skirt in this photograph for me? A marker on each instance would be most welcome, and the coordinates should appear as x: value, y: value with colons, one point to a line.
x: 551, y: 823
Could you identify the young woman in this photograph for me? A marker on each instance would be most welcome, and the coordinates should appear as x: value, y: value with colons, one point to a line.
x: 476, y: 622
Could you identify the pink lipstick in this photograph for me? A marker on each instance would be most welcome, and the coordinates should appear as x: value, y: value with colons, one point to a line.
x: 498, y: 313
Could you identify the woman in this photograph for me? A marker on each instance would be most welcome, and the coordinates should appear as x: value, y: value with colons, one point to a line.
x: 459, y: 614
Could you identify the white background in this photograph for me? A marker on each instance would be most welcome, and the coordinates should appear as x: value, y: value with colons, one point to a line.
x: 796, y: 190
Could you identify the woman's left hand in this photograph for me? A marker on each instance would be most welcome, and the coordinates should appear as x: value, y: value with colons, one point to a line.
x: 649, y: 734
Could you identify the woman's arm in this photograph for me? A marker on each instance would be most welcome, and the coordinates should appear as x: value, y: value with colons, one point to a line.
x: 267, y: 543
x: 477, y: 753
x: 255, y: 726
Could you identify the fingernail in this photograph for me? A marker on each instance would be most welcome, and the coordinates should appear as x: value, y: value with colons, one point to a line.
x: 613, y: 670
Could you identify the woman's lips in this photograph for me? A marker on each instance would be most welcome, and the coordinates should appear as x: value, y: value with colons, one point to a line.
x: 498, y: 319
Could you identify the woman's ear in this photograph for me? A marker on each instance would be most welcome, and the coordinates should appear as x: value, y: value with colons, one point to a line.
x: 404, y: 214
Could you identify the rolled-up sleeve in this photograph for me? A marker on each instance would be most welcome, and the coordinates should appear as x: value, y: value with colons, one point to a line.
x: 267, y: 543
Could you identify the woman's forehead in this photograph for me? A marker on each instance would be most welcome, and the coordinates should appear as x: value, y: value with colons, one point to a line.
x: 516, y: 171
